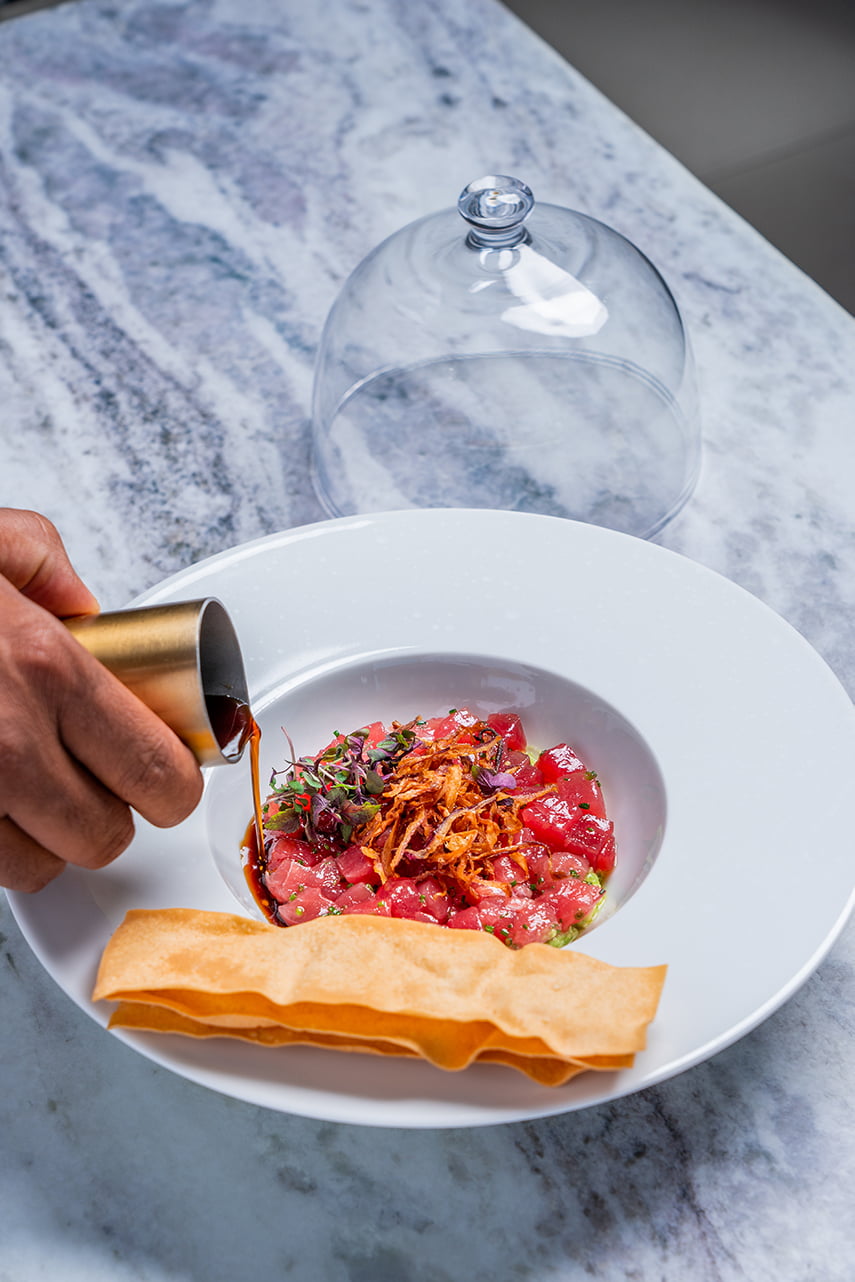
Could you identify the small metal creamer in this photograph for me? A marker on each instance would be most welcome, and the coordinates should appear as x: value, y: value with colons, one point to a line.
x: 183, y: 660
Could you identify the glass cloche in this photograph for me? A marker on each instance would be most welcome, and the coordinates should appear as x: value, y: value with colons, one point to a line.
x: 507, y: 355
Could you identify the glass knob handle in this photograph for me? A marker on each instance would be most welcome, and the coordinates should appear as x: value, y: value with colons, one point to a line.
x: 496, y: 208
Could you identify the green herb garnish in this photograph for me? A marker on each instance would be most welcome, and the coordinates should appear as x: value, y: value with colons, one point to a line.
x: 326, y: 797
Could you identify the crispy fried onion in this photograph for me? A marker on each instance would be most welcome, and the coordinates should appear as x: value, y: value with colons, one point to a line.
x: 435, y: 815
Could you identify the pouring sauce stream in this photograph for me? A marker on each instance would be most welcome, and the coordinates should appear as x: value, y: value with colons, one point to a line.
x: 234, y: 727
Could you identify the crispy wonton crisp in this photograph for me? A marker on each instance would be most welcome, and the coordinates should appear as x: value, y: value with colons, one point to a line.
x: 381, y: 985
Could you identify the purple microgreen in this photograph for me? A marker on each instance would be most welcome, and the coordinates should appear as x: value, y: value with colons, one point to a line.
x: 493, y: 780
x: 330, y: 794
x: 356, y: 815
x: 283, y: 821
x: 374, y: 783
x: 290, y: 743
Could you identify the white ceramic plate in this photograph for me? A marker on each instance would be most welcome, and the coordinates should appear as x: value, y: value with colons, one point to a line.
x: 725, y: 745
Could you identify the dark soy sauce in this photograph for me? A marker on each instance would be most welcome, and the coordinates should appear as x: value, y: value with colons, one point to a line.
x: 231, y: 722
x: 254, y: 870
x: 234, y: 727
x: 254, y: 838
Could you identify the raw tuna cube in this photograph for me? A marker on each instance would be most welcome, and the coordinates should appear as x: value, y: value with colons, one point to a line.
x: 354, y: 866
x: 425, y: 917
x: 358, y: 894
x: 593, y: 838
x: 565, y: 864
x: 305, y: 906
x: 558, y: 762
x: 498, y: 916
x: 528, y: 777
x: 534, y: 922
x: 583, y: 793
x: 442, y: 727
x: 328, y: 873
x: 284, y: 847
x: 550, y: 819
x: 476, y: 892
x: 291, y: 878
x: 572, y: 901
x: 510, y: 728
x: 433, y: 899
x: 403, y: 896
x: 508, y: 871
x: 465, y: 919
x: 375, y: 906
x: 540, y: 874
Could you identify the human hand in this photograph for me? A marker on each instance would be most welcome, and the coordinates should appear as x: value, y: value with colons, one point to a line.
x: 77, y: 749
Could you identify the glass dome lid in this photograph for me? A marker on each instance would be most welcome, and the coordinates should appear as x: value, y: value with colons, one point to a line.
x: 503, y: 354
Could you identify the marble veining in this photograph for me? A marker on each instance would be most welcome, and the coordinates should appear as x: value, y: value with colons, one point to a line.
x: 183, y: 189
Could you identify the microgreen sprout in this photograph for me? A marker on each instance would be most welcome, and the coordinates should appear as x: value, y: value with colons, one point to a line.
x: 327, y: 796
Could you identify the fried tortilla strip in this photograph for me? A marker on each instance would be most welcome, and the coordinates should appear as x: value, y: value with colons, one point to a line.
x: 544, y: 1069
x: 432, y: 809
x: 381, y: 984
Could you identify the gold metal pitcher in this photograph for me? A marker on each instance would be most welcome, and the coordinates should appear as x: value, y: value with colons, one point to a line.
x: 184, y: 661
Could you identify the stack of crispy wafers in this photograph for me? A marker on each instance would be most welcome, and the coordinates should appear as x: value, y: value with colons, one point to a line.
x: 381, y: 985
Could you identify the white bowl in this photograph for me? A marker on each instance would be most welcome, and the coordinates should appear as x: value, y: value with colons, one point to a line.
x: 386, y: 687
x: 725, y: 745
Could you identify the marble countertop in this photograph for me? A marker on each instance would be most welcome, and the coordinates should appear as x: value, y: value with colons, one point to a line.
x: 183, y: 189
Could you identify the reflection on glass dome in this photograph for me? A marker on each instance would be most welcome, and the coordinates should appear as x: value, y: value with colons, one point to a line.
x: 524, y: 358
x: 551, y: 300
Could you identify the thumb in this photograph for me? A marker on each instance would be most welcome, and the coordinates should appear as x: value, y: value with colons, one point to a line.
x: 34, y: 560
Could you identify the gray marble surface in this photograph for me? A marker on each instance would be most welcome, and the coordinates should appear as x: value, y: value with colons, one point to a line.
x: 184, y: 187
